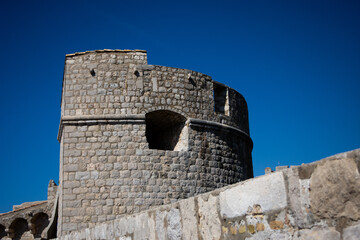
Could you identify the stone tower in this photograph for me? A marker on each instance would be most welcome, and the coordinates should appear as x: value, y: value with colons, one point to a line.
x: 134, y: 135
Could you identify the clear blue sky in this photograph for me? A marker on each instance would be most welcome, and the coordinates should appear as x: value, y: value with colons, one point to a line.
x: 296, y: 62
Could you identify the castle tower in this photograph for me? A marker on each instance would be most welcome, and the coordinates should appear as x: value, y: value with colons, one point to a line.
x: 134, y: 135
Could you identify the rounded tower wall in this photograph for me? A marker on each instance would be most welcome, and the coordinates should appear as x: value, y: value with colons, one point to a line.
x: 104, y: 83
x: 135, y: 135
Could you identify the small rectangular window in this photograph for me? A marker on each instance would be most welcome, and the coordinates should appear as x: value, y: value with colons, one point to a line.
x: 221, y: 99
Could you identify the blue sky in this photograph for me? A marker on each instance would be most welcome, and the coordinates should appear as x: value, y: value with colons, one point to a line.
x: 297, y: 63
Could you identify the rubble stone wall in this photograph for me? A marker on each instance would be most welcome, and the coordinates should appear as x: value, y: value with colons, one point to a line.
x: 280, y: 205
x: 113, y: 105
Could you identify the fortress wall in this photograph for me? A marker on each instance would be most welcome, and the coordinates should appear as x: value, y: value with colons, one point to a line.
x: 313, y: 201
x: 133, y: 136
x: 109, y: 170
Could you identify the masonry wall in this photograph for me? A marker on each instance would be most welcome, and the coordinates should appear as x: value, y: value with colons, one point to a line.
x: 121, y: 82
x: 313, y: 201
x: 111, y: 101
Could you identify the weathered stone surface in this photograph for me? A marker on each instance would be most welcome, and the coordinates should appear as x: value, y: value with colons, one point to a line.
x: 123, y: 226
x: 317, y: 234
x: 209, y: 226
x: 298, y: 192
x: 352, y: 233
x: 269, y: 236
x: 142, y: 228
x: 335, y: 189
x: 100, y: 231
x: 267, y: 191
x: 174, y: 224
x: 160, y: 221
x: 189, y: 220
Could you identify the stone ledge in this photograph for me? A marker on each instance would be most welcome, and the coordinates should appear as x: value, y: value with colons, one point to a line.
x: 107, y: 51
x: 138, y: 119
x: 211, y: 124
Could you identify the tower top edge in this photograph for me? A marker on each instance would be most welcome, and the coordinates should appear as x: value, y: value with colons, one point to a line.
x: 107, y: 51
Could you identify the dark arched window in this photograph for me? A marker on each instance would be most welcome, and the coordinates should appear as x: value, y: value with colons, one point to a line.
x: 39, y: 223
x: 164, y: 129
x: 2, y: 231
x: 17, y: 228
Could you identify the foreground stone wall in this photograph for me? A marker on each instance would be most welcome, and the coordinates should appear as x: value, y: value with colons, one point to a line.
x: 133, y: 136
x: 320, y: 200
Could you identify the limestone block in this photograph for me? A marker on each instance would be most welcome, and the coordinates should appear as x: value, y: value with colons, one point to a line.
x: 352, y: 233
x: 335, y: 189
x: 267, y: 191
x: 142, y: 229
x: 160, y: 225
x: 89, y: 233
x: 174, y: 224
x: 272, y: 235
x: 298, y: 192
x: 317, y: 234
x: 100, y: 231
x: 189, y: 220
x: 82, y: 175
x: 210, y: 225
x: 124, y: 226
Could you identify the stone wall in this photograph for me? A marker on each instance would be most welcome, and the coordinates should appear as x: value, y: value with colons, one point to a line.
x: 133, y: 136
x: 320, y: 200
x: 121, y: 82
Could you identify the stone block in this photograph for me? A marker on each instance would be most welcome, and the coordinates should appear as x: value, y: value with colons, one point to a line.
x: 317, y: 234
x: 267, y: 191
x: 335, y: 189
x: 124, y: 226
x: 174, y: 230
x: 189, y: 220
x: 274, y: 235
x: 209, y: 217
x: 71, y: 167
x: 160, y: 225
x: 299, y: 201
x: 82, y: 175
x: 143, y: 226
x: 100, y: 231
x: 352, y: 233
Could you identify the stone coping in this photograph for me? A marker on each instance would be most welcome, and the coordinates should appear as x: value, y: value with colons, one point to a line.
x: 29, y: 206
x: 106, y: 50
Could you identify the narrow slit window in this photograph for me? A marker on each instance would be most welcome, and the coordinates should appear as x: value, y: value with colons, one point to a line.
x: 221, y: 99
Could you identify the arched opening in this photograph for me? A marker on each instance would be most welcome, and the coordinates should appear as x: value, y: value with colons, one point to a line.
x: 2, y: 231
x: 38, y: 224
x: 17, y: 228
x: 165, y: 130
